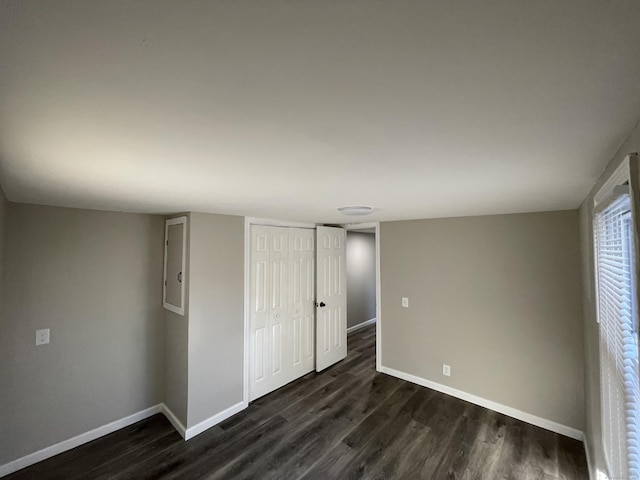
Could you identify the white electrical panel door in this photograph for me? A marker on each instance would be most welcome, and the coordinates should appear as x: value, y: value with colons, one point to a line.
x: 282, y: 308
x: 331, y: 311
x: 174, y: 264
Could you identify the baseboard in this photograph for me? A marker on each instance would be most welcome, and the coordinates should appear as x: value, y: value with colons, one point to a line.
x: 483, y: 402
x: 76, y: 441
x: 86, y: 437
x: 173, y: 420
x: 361, y: 325
x: 214, y: 420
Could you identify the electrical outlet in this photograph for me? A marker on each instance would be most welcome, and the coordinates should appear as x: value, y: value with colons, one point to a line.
x: 405, y: 302
x: 42, y: 336
x: 446, y: 370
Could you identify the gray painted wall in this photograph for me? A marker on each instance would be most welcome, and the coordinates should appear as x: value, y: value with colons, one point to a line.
x: 361, y: 277
x: 176, y: 366
x: 216, y: 314
x: 4, y: 214
x: 5, y: 364
x: 176, y: 347
x: 95, y: 279
x: 591, y: 334
x: 204, y: 348
x: 498, y: 298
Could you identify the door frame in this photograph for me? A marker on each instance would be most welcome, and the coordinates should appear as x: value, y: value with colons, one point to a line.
x: 365, y: 226
x: 248, y: 221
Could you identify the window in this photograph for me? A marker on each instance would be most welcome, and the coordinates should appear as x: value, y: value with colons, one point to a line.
x: 617, y: 316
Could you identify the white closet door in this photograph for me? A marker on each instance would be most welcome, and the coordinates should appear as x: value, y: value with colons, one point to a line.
x: 331, y: 311
x: 302, y: 299
x: 269, y: 305
x: 282, y: 307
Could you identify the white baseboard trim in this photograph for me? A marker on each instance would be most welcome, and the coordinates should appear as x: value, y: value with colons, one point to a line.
x: 86, y: 437
x: 76, y: 441
x: 173, y: 420
x: 483, y: 402
x: 214, y: 420
x: 361, y: 325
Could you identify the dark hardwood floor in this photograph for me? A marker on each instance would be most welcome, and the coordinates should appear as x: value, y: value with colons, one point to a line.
x: 345, y: 423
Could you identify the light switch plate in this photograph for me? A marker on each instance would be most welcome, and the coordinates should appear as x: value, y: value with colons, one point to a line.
x: 42, y: 336
x: 405, y: 302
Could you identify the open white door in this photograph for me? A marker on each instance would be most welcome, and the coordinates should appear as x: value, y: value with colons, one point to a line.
x: 331, y: 297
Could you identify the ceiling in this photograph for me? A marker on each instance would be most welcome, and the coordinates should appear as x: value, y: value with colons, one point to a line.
x: 290, y: 109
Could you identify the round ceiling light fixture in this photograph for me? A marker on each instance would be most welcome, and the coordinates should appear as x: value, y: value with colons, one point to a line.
x: 355, y: 211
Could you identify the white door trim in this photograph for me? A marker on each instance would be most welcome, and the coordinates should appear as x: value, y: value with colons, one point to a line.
x: 363, y: 226
x: 276, y: 223
x: 248, y: 221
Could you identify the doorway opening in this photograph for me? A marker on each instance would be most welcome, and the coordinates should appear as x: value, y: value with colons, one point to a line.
x: 363, y: 283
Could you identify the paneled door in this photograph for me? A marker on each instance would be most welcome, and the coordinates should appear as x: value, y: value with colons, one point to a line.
x: 282, y: 308
x: 331, y: 299
x: 302, y: 256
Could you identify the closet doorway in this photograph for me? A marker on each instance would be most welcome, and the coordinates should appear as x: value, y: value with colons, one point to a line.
x: 282, y: 305
x: 296, y: 303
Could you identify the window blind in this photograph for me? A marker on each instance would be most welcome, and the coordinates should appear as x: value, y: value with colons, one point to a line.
x: 620, y: 388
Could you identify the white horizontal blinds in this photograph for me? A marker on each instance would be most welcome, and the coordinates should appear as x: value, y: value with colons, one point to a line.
x: 618, y: 338
x: 630, y: 372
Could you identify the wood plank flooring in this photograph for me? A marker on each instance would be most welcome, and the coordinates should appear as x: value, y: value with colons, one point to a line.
x: 348, y: 422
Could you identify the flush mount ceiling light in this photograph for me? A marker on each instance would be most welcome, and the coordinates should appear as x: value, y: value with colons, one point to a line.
x: 355, y: 211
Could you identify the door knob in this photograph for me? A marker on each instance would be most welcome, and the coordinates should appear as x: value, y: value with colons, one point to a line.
x: 321, y: 304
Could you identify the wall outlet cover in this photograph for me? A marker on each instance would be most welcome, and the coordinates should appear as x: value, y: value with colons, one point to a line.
x: 42, y: 336
x: 446, y: 370
x: 405, y: 302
